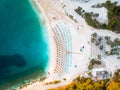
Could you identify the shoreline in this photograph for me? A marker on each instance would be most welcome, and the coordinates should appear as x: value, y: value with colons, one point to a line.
x: 54, y: 14
x: 51, y: 48
x: 47, y: 31
x: 59, y: 14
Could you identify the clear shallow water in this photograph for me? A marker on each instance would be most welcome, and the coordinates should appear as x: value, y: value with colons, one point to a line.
x: 22, y: 42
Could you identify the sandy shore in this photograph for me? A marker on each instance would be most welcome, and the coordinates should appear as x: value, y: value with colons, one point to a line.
x: 52, y: 46
x: 46, y: 21
x: 51, y: 15
x: 53, y: 12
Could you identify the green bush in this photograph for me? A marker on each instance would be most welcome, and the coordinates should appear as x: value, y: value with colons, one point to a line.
x: 53, y: 82
x: 93, y: 62
x: 113, y: 17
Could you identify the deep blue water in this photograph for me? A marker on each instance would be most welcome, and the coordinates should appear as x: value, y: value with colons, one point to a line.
x: 22, y: 42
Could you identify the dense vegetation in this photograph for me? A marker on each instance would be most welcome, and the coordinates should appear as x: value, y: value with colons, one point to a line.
x: 84, y: 84
x: 115, y: 83
x: 88, y: 17
x: 113, y: 17
x: 89, y: 84
x: 103, y: 42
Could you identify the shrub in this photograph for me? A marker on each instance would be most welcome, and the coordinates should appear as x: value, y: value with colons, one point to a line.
x: 113, y: 16
x: 93, y: 40
x: 93, y: 62
x: 101, y: 47
x: 53, y: 82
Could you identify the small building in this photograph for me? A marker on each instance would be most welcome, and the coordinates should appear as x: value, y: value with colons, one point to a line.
x: 100, y: 73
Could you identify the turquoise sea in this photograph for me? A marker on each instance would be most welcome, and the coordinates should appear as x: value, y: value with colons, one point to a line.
x: 23, y: 44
